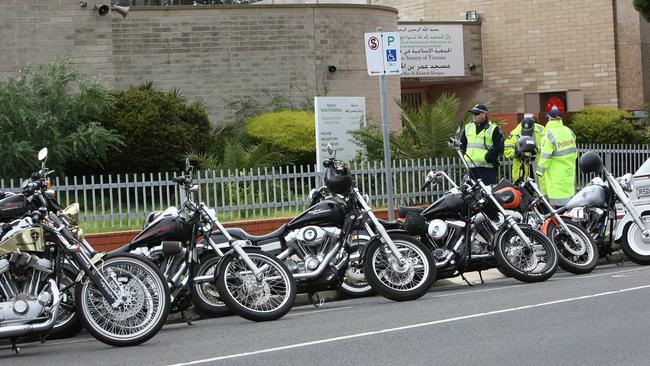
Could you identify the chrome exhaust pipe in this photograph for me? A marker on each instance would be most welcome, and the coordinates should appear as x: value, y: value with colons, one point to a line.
x: 19, y: 330
x: 321, y: 267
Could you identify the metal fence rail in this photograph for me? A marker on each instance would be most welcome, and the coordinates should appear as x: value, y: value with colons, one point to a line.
x: 113, y: 202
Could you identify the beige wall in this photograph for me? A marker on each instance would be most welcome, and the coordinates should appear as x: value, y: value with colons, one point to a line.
x: 207, y: 52
x: 529, y: 48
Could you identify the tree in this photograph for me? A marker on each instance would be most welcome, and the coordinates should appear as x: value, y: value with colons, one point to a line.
x: 56, y: 106
x: 643, y: 7
x: 424, y: 135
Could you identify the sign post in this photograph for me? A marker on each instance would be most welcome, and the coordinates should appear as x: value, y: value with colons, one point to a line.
x: 383, y: 57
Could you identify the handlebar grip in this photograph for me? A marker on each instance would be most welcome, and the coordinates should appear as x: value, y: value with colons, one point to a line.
x: 180, y: 179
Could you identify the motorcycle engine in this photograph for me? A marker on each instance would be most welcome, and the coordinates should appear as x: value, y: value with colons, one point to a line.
x: 23, y: 294
x: 312, y: 244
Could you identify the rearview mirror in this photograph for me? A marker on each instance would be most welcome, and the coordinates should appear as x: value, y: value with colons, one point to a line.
x: 42, y: 155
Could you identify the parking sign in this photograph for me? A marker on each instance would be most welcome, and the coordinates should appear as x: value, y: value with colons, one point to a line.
x: 383, y: 53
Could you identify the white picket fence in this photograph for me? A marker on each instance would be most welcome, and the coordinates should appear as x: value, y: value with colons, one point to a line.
x: 122, y: 201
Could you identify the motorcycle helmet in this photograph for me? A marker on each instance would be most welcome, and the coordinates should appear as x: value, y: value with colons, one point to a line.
x: 590, y: 162
x: 527, y: 126
x: 339, y: 182
x: 526, y: 147
x: 150, y: 218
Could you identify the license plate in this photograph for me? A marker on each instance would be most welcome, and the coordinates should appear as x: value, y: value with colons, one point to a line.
x: 643, y: 191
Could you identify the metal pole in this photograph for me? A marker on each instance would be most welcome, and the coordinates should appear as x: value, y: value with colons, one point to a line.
x: 388, y: 166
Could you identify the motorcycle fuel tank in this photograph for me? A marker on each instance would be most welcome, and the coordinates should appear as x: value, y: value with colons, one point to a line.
x: 328, y: 212
x: 451, y: 204
x: 169, y: 226
x: 13, y: 206
x: 590, y: 196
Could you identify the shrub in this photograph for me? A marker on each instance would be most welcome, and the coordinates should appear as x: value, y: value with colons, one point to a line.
x: 158, y: 128
x: 643, y: 7
x: 604, y: 125
x: 56, y: 106
x: 290, y: 132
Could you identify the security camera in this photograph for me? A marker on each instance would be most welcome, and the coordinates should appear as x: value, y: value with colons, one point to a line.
x: 103, y: 10
x: 331, y: 68
x: 471, y: 67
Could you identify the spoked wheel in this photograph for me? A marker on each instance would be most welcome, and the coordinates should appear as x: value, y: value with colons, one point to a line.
x: 577, y: 252
x: 205, y: 296
x: 399, y: 282
x: 635, y: 244
x: 145, y: 304
x: 354, y: 281
x: 67, y: 323
x: 259, y: 298
x: 527, y: 263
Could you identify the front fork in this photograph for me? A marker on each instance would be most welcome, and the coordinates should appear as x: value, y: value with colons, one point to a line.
x: 553, y: 213
x: 510, y: 222
x: 379, y: 227
x: 625, y: 200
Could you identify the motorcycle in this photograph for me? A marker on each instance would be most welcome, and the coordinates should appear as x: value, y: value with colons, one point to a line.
x: 120, y: 299
x: 577, y: 251
x: 354, y: 282
x: 317, y: 245
x: 468, y: 230
x: 594, y: 206
x: 215, y: 278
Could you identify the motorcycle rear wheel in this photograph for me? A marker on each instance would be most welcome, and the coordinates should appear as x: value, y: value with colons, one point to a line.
x: 205, y: 296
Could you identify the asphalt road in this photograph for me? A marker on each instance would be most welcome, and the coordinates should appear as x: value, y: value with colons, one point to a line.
x: 600, y: 318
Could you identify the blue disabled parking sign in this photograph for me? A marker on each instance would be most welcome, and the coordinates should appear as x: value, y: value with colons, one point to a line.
x: 391, y: 55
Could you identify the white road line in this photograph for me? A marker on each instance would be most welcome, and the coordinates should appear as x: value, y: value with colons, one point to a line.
x: 317, y: 311
x: 419, y: 325
x: 581, y: 277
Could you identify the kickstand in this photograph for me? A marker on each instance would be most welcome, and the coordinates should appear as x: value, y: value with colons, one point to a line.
x: 481, y: 275
x: 14, y: 346
x: 189, y: 320
x: 43, y: 337
x: 316, y: 300
x: 465, y: 279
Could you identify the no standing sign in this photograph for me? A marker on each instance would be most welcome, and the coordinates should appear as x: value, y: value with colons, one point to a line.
x: 383, y: 53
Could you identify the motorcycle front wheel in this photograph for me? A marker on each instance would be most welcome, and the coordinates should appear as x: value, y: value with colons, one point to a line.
x: 355, y: 283
x: 534, y: 263
x: 635, y: 246
x: 395, y: 281
x: 578, y: 256
x: 268, y: 296
x: 145, y: 301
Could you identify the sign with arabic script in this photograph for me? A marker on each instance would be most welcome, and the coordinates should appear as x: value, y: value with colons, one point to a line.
x: 432, y: 50
x: 335, y: 118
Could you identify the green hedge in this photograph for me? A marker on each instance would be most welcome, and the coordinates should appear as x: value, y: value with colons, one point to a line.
x: 290, y: 132
x: 604, y: 125
x: 158, y: 128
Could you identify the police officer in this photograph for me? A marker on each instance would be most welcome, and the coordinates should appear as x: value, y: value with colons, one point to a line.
x: 557, y: 163
x: 527, y: 127
x: 482, y: 143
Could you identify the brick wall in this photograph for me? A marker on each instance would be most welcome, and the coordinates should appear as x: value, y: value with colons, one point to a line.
x: 533, y: 46
x: 208, y: 52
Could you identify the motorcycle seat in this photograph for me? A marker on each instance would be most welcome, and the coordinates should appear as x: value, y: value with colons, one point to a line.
x: 403, y: 211
x: 242, y: 234
x: 503, y: 183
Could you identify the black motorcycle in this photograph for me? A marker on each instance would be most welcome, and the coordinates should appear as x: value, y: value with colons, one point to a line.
x: 120, y: 299
x: 316, y: 246
x: 215, y: 278
x: 468, y: 230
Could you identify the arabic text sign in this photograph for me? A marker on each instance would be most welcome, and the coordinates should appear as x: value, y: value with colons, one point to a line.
x: 383, y: 55
x: 335, y: 117
x: 432, y: 50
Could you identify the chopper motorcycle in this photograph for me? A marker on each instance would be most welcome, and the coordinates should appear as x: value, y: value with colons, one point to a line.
x: 594, y: 206
x: 120, y: 299
x: 216, y: 278
x: 577, y: 251
x: 468, y: 230
x: 316, y: 245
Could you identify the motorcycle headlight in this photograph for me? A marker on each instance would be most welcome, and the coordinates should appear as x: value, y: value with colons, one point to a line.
x: 626, y: 182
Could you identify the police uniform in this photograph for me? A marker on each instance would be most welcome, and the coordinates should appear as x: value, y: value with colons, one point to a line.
x: 527, y: 127
x: 482, y: 144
